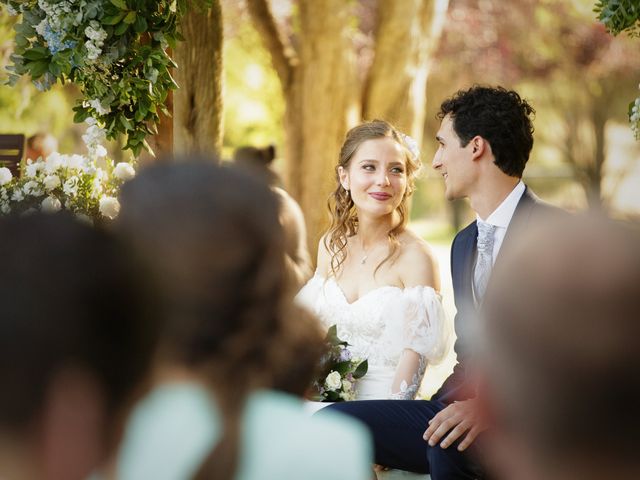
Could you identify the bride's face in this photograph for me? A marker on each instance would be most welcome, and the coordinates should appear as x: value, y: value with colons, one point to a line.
x: 376, y: 176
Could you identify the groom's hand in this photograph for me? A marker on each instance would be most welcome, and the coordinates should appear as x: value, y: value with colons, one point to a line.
x: 457, y: 419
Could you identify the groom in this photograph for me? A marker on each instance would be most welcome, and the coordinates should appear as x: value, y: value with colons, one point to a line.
x: 485, y: 138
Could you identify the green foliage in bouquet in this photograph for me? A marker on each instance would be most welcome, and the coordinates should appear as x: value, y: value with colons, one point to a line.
x: 114, y: 50
x: 339, y: 371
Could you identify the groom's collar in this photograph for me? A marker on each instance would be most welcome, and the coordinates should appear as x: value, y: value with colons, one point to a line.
x: 501, y: 216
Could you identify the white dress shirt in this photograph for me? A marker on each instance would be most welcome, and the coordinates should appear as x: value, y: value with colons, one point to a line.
x: 501, y: 217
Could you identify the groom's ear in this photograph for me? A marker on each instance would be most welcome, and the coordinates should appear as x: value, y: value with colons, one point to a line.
x: 478, y: 146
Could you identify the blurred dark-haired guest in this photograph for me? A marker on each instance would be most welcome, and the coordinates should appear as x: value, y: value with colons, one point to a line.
x: 258, y: 162
x: 563, y: 353
x: 75, y: 343
x: 212, y: 237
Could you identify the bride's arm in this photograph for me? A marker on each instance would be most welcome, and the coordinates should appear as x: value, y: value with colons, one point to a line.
x: 419, y: 268
x: 408, y: 377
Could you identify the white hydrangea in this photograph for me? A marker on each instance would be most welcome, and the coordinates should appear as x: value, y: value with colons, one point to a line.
x: 32, y: 168
x: 32, y: 188
x: 97, y: 106
x: 95, y: 32
x: 124, y: 171
x: 76, y: 162
x: 93, y: 138
x: 5, y: 176
x: 53, y: 162
x: 93, y: 52
x: 41, y: 27
x: 17, y: 195
x: 109, y: 207
x: 51, y: 205
x: 51, y: 182
x: 96, y: 36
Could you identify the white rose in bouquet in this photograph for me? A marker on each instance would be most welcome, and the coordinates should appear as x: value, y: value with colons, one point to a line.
x: 333, y: 381
x: 109, y: 207
x: 124, y: 171
x: 5, y: 176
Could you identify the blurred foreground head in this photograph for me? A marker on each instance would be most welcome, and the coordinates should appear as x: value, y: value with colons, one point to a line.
x: 563, y: 334
x: 74, y: 345
x: 212, y: 237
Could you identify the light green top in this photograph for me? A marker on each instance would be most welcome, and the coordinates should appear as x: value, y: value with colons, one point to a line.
x: 176, y: 426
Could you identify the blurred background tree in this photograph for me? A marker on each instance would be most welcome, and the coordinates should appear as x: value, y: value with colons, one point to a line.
x: 298, y: 73
x: 339, y: 62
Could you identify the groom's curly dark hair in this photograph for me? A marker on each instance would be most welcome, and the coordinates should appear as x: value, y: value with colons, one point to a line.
x: 498, y: 115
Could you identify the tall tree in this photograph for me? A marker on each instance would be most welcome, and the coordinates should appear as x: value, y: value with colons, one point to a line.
x: 197, y: 104
x: 407, y: 34
x: 328, y: 82
x: 194, y: 123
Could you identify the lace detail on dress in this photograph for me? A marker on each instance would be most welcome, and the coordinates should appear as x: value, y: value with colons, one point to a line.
x: 409, y: 392
x: 381, y: 324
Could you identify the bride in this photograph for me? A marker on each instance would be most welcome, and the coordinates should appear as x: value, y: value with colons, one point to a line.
x: 377, y: 280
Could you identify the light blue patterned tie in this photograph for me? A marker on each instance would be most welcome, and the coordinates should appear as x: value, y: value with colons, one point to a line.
x: 484, y: 262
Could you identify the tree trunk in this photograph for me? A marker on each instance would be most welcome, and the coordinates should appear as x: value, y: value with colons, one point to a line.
x: 594, y: 180
x: 407, y: 34
x: 320, y: 87
x: 197, y: 112
x: 322, y: 103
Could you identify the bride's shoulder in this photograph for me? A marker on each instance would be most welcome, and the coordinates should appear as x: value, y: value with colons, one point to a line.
x: 417, y: 262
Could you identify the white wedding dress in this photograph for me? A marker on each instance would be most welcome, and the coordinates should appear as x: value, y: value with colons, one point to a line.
x: 379, y: 326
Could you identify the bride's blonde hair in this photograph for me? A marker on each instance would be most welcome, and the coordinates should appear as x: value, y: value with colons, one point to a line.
x: 344, y: 217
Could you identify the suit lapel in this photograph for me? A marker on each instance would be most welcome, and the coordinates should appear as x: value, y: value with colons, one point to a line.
x: 463, y: 255
x: 520, y: 219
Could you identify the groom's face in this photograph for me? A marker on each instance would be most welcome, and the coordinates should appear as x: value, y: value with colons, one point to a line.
x: 453, y: 162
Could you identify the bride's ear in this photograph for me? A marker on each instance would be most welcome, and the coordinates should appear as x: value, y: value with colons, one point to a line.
x: 344, y: 177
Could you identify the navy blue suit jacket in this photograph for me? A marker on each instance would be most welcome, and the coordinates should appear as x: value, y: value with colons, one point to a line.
x: 463, y: 253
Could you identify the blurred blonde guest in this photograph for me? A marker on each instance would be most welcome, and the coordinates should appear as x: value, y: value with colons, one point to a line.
x: 75, y: 343
x: 563, y: 354
x: 212, y: 238
x: 40, y: 145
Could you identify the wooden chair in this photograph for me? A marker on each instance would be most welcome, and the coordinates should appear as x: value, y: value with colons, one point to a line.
x: 11, y: 152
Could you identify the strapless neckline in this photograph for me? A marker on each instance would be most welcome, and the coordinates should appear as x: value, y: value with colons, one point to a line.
x: 364, y: 295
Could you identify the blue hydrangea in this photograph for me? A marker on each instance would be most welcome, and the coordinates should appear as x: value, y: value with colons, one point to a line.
x: 55, y: 40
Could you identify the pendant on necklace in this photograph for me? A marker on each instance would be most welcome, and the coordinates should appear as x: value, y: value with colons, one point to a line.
x: 364, y: 260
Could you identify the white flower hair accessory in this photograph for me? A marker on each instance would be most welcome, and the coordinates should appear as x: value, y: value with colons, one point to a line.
x: 411, y: 145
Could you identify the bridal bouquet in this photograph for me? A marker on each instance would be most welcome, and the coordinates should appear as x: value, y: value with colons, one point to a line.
x: 339, y: 371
